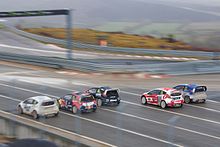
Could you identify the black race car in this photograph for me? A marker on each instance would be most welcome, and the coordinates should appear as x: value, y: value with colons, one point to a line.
x: 105, y: 95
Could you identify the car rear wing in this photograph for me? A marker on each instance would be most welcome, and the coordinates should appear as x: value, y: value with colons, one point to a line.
x: 112, y: 89
x: 200, y: 89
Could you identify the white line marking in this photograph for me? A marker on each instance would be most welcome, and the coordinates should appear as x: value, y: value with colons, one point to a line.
x: 17, y: 72
x: 160, y: 123
x: 213, y: 101
x: 30, y: 49
x: 10, y: 98
x: 200, y: 107
x: 180, y: 114
x: 108, y: 125
x: 125, y: 130
x: 127, y: 102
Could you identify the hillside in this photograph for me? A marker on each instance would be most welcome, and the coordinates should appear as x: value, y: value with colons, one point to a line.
x: 116, y: 39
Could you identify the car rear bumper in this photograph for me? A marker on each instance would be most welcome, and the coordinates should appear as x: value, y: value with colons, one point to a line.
x: 178, y: 103
x: 198, y: 98
x: 48, y: 113
x: 111, y: 101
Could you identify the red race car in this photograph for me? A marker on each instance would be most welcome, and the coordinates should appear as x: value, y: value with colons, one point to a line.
x: 163, y: 97
x: 78, y: 101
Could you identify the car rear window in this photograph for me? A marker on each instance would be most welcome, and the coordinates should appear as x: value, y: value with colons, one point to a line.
x: 175, y: 94
x: 48, y: 103
x: 200, y: 89
x: 112, y: 93
x: 87, y: 99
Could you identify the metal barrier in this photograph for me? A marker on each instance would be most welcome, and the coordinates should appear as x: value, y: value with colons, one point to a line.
x: 180, y: 68
x: 115, y: 49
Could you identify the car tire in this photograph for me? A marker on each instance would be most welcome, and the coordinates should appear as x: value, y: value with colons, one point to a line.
x: 20, y: 110
x: 94, y: 110
x: 181, y: 105
x: 35, y: 115
x: 118, y: 102
x: 56, y: 114
x: 163, y: 104
x: 99, y: 102
x: 203, y: 101
x: 187, y: 99
x: 143, y: 100
x: 74, y: 110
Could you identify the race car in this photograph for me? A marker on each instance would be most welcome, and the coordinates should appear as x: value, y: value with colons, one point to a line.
x: 78, y: 102
x: 38, y: 106
x: 163, y: 97
x: 192, y: 92
x: 105, y: 95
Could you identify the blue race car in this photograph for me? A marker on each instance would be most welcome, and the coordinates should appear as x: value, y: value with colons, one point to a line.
x: 192, y: 92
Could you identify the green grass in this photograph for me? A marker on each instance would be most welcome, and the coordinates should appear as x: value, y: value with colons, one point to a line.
x: 113, y: 39
x: 202, y: 34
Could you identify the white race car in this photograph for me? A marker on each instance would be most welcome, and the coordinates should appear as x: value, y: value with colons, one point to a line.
x: 163, y: 97
x: 38, y: 106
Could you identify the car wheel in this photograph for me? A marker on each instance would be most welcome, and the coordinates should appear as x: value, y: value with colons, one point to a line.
x: 118, y: 102
x: 56, y: 114
x: 163, y: 104
x: 94, y: 110
x: 181, y: 105
x: 203, y: 101
x: 187, y: 99
x: 99, y: 102
x: 20, y: 110
x: 143, y: 100
x: 74, y: 109
x: 35, y: 115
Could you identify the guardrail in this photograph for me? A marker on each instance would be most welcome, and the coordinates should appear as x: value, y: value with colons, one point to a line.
x: 139, y: 51
x: 182, y: 68
x: 20, y: 127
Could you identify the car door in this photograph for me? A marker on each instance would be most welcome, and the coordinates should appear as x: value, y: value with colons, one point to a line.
x: 152, y: 97
x: 76, y: 101
x: 160, y: 96
x: 28, y: 106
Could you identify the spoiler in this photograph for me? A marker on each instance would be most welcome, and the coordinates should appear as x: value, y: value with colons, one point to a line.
x: 200, y: 89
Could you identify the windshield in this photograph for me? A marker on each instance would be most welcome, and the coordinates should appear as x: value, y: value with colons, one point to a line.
x: 87, y: 99
x: 176, y: 94
x: 200, y: 89
x: 48, y: 103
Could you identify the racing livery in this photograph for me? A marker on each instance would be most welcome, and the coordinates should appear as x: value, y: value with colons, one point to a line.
x: 38, y: 106
x: 192, y: 92
x: 78, y: 101
x: 105, y: 95
x: 163, y: 97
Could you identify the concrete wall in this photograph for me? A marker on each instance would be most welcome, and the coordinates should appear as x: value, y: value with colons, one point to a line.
x: 20, y: 127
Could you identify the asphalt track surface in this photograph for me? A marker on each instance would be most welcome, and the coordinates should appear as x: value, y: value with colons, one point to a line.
x: 130, y: 123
